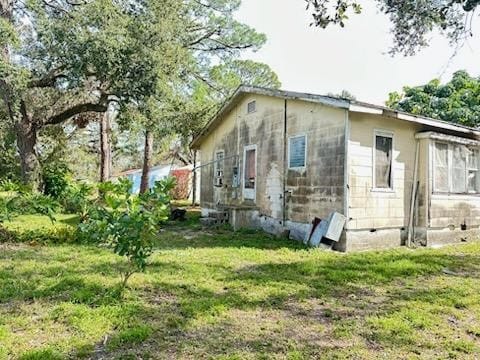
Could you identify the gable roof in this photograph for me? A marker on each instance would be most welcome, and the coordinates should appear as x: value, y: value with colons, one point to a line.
x: 340, y: 103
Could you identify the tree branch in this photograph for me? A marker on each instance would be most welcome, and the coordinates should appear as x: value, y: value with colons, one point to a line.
x: 75, y: 110
x: 48, y: 80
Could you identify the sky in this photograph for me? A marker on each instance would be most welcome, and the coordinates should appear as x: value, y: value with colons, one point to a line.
x: 355, y: 58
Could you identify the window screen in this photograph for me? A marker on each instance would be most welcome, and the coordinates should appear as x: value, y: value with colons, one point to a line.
x: 219, y: 165
x: 473, y: 177
x: 383, y: 162
x: 441, y: 167
x: 250, y: 169
x: 459, y: 164
x: 297, y: 146
x: 456, y: 168
x: 251, y: 106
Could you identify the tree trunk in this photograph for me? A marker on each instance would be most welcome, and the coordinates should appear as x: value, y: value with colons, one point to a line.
x: 26, y: 132
x: 105, y: 147
x: 147, y: 161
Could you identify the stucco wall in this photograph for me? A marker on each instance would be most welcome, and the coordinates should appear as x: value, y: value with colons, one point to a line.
x: 263, y: 128
x: 376, y: 209
x: 315, y: 191
x: 319, y: 189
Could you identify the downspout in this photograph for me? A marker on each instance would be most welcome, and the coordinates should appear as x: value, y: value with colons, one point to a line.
x: 413, y: 199
x: 346, y: 168
x: 284, y: 195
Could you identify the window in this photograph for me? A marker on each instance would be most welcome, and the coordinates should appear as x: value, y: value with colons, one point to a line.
x: 459, y: 169
x: 456, y: 169
x: 441, y: 167
x: 472, y: 172
x: 250, y: 169
x: 250, y: 172
x: 251, y: 107
x: 383, y: 161
x: 297, y: 152
x: 218, y: 168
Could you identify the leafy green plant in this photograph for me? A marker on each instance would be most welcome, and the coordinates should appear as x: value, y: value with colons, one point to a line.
x: 5, y: 210
x: 34, y: 203
x: 12, y: 186
x: 56, y: 180
x: 78, y: 200
x: 128, y: 223
x: 46, y: 235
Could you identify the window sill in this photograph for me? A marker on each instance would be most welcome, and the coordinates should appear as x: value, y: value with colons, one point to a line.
x: 442, y: 195
x: 383, y: 190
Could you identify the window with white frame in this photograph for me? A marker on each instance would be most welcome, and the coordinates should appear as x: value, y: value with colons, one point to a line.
x: 455, y: 168
x: 383, y: 160
x: 218, y: 168
x: 297, y: 152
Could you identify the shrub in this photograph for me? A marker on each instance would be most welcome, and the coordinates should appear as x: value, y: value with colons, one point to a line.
x: 78, y: 199
x: 56, y: 180
x: 5, y: 210
x: 127, y: 223
x: 51, y: 235
x: 31, y: 204
x: 12, y: 186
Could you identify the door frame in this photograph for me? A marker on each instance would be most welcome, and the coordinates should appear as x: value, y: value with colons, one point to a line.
x: 249, y: 194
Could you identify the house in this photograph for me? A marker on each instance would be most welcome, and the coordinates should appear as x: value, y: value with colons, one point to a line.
x: 183, y: 175
x: 157, y: 173
x: 275, y: 160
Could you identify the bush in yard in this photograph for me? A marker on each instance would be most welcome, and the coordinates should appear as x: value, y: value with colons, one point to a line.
x: 34, y: 203
x: 8, y: 185
x: 78, y: 199
x: 128, y: 223
x: 56, y: 180
x: 52, y: 235
x: 5, y: 210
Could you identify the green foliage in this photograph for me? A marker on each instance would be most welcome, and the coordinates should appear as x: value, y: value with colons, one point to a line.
x: 78, y: 199
x: 230, y: 75
x: 34, y: 203
x: 412, y: 20
x: 209, y: 288
x: 56, y: 179
x: 457, y: 101
x: 45, y: 235
x: 5, y: 209
x: 128, y: 223
x: 10, y: 185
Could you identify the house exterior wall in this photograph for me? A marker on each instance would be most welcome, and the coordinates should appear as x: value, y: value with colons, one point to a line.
x: 449, y: 217
x: 338, y: 175
x: 311, y: 192
x: 378, y: 218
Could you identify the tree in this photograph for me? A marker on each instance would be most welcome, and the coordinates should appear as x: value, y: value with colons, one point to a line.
x: 344, y: 94
x: 412, y: 20
x: 457, y: 101
x: 213, y: 36
x: 71, y: 59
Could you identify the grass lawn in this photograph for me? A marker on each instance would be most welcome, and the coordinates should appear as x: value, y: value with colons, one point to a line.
x: 217, y: 294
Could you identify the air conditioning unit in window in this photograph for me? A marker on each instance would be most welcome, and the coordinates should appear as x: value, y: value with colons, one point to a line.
x: 219, y: 173
x: 218, y: 181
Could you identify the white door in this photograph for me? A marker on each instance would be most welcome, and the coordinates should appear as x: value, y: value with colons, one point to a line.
x: 250, y: 172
